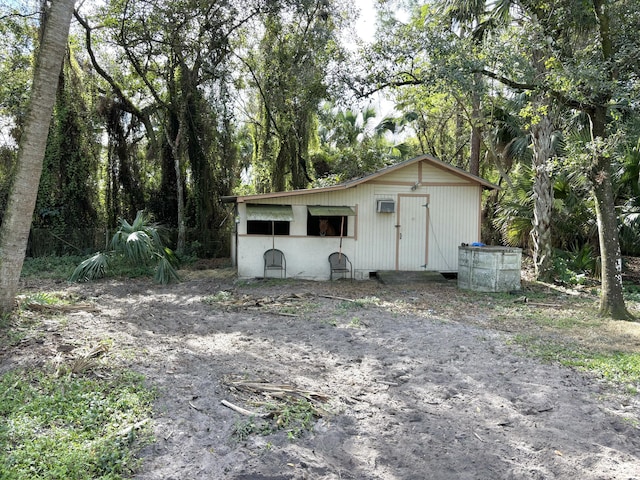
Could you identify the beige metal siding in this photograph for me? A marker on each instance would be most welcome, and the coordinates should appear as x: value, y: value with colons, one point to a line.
x: 433, y: 174
x: 408, y: 174
x: 423, y: 173
x: 376, y: 231
x: 452, y: 218
x: 411, y: 235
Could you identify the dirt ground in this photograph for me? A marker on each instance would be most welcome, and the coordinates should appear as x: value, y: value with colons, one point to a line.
x: 406, y: 388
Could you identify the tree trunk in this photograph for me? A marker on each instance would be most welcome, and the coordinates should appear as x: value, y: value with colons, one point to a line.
x: 460, y: 161
x: 476, y: 134
x: 543, y: 199
x: 14, y: 232
x: 611, y: 296
x: 177, y: 164
x: 182, y: 233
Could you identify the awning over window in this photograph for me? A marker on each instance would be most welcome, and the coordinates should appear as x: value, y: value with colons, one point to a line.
x: 276, y: 213
x: 331, y: 211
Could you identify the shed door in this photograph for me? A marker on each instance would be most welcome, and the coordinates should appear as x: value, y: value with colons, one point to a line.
x: 411, y: 235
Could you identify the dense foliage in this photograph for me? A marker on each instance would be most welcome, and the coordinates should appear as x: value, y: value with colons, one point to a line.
x: 168, y: 106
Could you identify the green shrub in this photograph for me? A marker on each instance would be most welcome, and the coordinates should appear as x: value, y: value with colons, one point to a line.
x: 140, y: 245
x: 71, y: 427
x: 50, y: 266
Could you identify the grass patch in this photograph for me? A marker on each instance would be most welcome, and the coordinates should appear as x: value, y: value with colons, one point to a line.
x: 355, y: 323
x: 71, y: 427
x: 287, y: 304
x: 32, y: 301
x: 219, y: 297
x: 359, y: 303
x: 564, y: 327
x: 9, y: 335
x: 50, y: 267
x: 618, y: 367
x: 27, y: 319
x: 631, y: 292
x: 573, y: 320
x: 300, y: 308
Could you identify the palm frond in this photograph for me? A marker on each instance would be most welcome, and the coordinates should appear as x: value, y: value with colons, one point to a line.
x: 387, y: 124
x: 91, y: 269
x: 141, y: 220
x: 518, y: 148
x: 502, y: 10
x: 125, y: 226
x: 139, y: 243
x: 119, y: 239
x: 139, y: 247
x: 165, y: 272
x: 153, y: 231
x: 171, y: 256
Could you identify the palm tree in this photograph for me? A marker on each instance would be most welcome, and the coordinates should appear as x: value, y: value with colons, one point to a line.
x: 543, y: 152
x: 14, y: 232
x: 484, y: 17
x: 139, y: 244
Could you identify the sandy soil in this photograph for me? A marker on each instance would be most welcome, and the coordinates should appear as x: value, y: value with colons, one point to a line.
x: 406, y: 391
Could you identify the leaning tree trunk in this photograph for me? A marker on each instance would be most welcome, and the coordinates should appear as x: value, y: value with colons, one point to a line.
x: 14, y: 232
x: 543, y: 198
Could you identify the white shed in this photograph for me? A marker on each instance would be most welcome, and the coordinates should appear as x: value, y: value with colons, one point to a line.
x: 411, y: 216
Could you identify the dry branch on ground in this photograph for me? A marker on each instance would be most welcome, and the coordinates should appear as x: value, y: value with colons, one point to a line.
x: 260, y: 393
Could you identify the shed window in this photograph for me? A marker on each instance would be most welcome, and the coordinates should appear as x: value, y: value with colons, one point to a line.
x: 269, y: 219
x: 329, y: 221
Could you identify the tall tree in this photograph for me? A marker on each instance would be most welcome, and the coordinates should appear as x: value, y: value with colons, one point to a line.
x: 466, y: 16
x: 16, y: 45
x: 592, y: 71
x: 14, y: 232
x: 289, y: 73
x: 489, y: 21
x: 176, y: 79
x: 582, y: 62
x: 582, y: 59
x: 587, y: 68
x: 543, y: 152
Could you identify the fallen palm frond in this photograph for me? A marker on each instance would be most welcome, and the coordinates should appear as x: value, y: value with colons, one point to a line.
x: 244, y: 411
x: 86, y: 361
x: 275, y: 304
x: 278, y: 390
x: 60, y: 308
x: 281, y: 406
x: 52, y: 303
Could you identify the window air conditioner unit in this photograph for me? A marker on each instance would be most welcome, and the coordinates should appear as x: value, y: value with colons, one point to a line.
x: 386, y: 206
